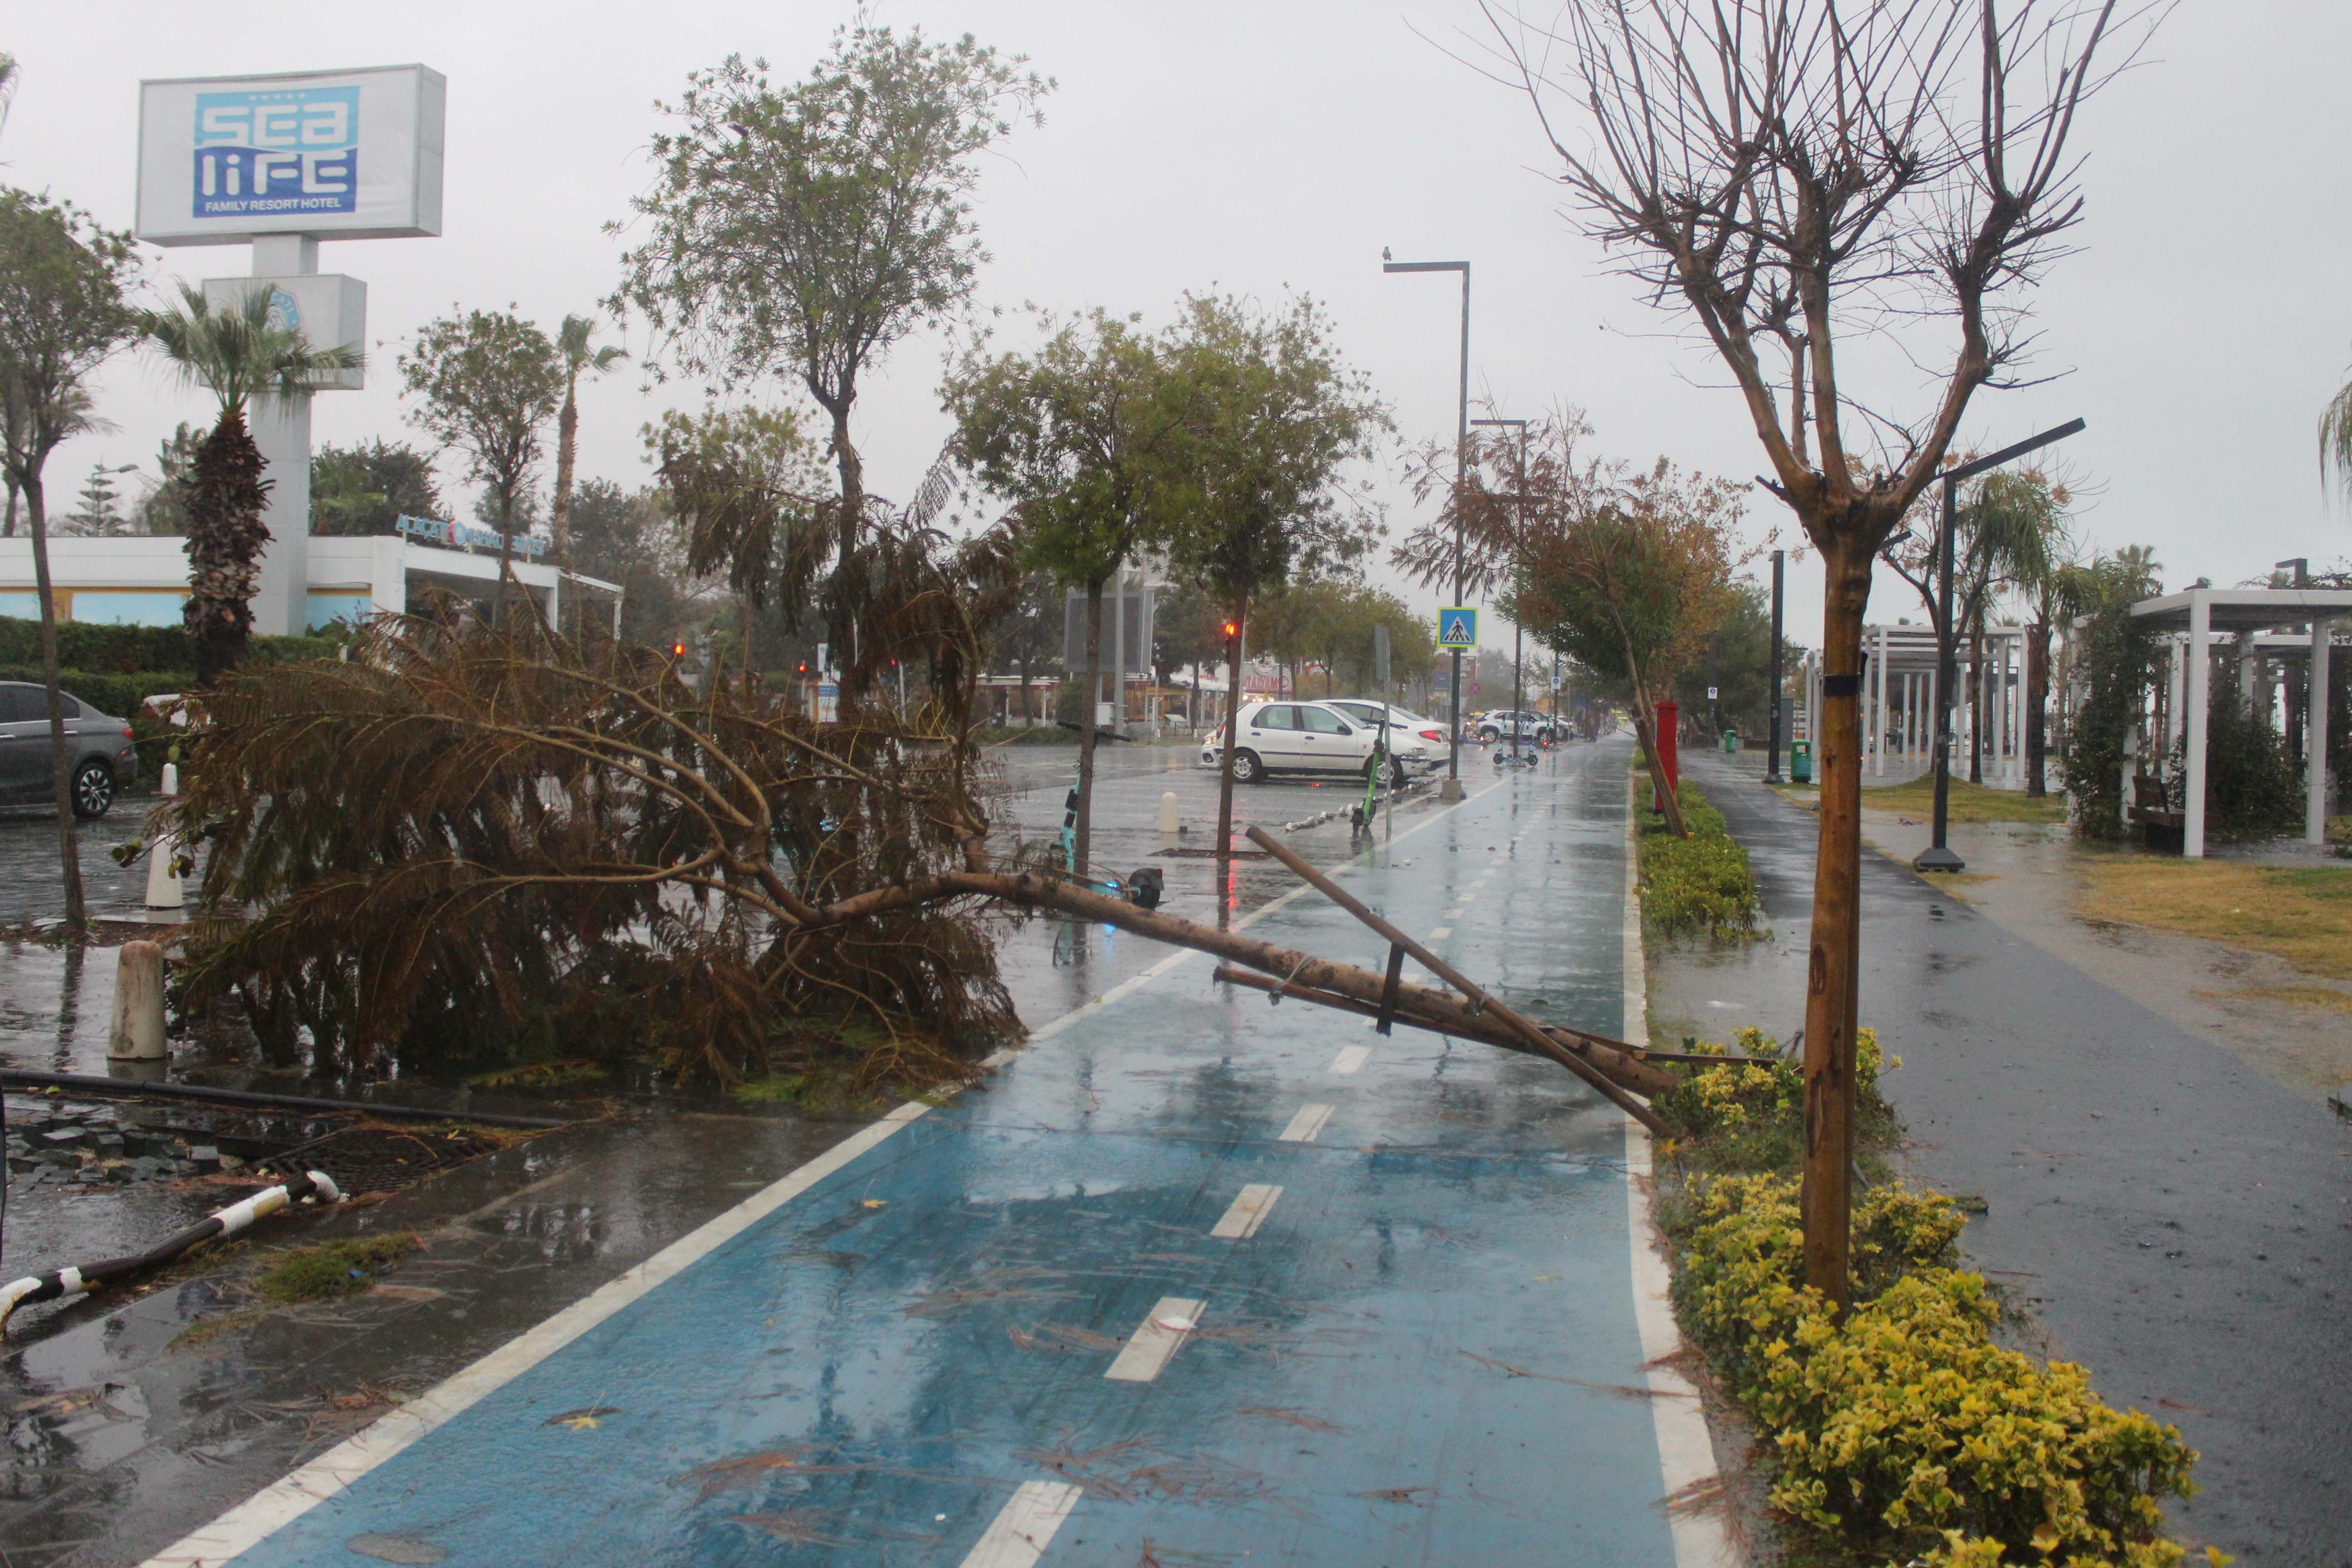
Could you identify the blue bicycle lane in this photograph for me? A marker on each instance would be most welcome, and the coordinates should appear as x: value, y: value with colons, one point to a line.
x: 1194, y: 1278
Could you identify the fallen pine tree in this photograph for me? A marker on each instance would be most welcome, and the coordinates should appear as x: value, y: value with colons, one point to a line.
x: 465, y: 847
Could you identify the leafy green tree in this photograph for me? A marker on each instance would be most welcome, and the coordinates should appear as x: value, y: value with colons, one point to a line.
x: 800, y: 231
x: 1029, y: 632
x: 1627, y: 573
x: 571, y: 341
x: 486, y: 383
x: 365, y: 490
x: 628, y: 539
x: 239, y: 353
x: 1274, y: 419
x: 1078, y: 436
x: 61, y: 315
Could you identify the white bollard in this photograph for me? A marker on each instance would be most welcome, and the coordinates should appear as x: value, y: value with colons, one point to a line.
x: 1170, y: 819
x: 164, y: 891
x: 138, y: 1031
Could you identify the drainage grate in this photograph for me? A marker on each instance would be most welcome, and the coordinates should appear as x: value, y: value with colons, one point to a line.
x: 380, y: 1159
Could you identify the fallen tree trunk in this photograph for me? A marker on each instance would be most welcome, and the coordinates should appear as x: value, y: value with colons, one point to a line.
x: 1443, y: 1010
x: 1624, y: 1071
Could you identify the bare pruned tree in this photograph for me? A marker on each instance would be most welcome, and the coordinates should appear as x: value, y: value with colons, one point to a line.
x: 1796, y: 176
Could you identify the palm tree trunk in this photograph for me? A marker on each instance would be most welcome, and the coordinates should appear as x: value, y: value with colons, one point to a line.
x: 1975, y: 702
x: 60, y: 758
x: 567, y: 447
x: 2037, y: 693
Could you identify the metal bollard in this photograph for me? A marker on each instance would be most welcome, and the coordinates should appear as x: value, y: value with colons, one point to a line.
x: 138, y: 1031
x: 1170, y: 819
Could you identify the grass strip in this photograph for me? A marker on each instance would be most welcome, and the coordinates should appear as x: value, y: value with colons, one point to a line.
x: 2300, y: 913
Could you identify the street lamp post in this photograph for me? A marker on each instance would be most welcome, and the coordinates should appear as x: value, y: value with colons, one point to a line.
x: 1453, y: 790
x: 1773, y: 755
x: 1939, y: 856
x: 1518, y: 547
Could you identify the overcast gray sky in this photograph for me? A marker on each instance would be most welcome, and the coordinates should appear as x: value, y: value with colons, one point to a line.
x: 1280, y: 144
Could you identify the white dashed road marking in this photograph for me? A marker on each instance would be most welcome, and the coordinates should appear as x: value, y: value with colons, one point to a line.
x: 1148, y: 1347
x: 1249, y: 1209
x: 1306, y: 1124
x: 1352, y: 1059
x: 1025, y: 1526
x: 1440, y: 933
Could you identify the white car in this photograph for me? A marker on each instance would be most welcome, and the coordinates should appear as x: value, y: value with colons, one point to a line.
x: 1414, y: 741
x: 1298, y: 738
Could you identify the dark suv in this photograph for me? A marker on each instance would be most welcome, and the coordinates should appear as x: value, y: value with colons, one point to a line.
x: 98, y: 748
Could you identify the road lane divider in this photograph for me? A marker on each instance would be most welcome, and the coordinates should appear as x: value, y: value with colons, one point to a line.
x: 1306, y: 1124
x: 1246, y: 1213
x: 1439, y: 933
x: 1025, y: 1526
x: 1352, y: 1059
x: 1155, y: 1340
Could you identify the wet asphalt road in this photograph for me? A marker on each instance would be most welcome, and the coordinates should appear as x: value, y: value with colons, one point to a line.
x: 2169, y: 1217
x: 1452, y: 1193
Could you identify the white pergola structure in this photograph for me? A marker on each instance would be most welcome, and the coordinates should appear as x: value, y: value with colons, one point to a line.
x: 2263, y: 624
x: 1899, y: 700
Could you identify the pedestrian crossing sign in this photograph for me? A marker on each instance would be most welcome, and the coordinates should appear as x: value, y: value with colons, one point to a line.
x: 1458, y: 626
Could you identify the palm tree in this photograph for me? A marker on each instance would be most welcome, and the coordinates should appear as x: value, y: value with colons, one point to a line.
x: 240, y: 353
x: 2006, y: 533
x: 2336, y: 440
x: 572, y: 347
x: 10, y: 74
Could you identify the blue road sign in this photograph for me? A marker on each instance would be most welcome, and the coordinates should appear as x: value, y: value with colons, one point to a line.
x: 1458, y: 626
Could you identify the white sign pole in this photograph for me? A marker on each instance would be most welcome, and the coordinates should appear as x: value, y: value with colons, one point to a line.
x: 282, y: 161
x: 281, y: 428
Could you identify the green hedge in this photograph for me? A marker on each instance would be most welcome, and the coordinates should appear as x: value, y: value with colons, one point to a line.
x: 1699, y: 883
x: 132, y: 651
x: 119, y: 695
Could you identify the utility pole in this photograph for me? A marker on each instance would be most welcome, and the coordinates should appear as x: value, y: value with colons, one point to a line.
x: 1452, y: 789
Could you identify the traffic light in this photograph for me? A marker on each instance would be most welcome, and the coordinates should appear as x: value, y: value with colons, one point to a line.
x: 1233, y: 629
x: 678, y: 648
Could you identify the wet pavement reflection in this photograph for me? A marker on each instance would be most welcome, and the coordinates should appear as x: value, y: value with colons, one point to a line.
x: 1380, y: 1370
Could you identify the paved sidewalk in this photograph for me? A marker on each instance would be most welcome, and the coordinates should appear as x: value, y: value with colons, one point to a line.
x: 2164, y: 1214
x: 1193, y: 1280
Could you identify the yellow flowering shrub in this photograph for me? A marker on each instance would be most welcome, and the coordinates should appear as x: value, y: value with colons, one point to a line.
x: 1740, y: 1094
x: 1906, y: 1419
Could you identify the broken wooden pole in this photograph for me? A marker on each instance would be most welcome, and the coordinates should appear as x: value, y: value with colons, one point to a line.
x: 1624, y: 1071
x: 1526, y: 1029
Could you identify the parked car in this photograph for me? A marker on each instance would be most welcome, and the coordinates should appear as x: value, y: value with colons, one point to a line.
x: 98, y: 749
x: 1298, y: 738
x: 1416, y: 742
x: 1496, y: 725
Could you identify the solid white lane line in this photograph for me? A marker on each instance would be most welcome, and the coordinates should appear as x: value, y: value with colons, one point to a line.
x: 1246, y: 1213
x: 1686, y: 1450
x: 1440, y: 934
x: 1025, y: 1526
x: 1352, y: 1059
x: 1155, y: 1340
x: 1306, y: 1124
x: 267, y: 1509
x: 295, y: 1494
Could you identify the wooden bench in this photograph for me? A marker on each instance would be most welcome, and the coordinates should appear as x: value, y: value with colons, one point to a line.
x: 2153, y: 810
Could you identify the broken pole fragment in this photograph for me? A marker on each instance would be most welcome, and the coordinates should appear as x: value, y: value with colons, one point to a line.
x: 1479, y: 998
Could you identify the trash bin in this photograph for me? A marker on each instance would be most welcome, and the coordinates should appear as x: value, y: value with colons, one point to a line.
x: 1800, y: 762
x: 1730, y: 740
